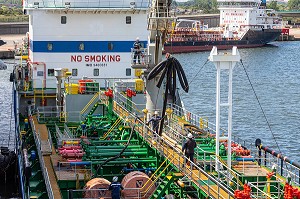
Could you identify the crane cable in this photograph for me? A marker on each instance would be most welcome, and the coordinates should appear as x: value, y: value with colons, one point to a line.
x: 261, y: 108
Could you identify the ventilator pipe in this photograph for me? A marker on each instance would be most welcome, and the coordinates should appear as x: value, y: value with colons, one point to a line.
x: 259, y: 145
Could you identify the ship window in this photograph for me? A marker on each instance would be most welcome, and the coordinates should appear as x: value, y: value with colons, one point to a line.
x: 40, y: 73
x: 128, y: 19
x: 49, y: 46
x: 63, y: 19
x: 74, y: 72
x: 96, y: 72
x: 50, y: 72
x: 110, y: 46
x: 128, y: 71
x: 81, y: 46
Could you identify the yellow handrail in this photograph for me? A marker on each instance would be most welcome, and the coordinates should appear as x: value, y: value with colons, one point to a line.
x: 155, y: 180
x: 90, y: 102
x: 159, y: 169
x: 111, y: 128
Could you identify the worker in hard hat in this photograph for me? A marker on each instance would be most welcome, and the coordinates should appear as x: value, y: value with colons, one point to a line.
x: 154, y: 120
x: 188, y: 148
x: 115, y: 187
x: 137, y: 51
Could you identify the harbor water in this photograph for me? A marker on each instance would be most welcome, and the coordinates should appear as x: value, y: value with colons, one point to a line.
x: 269, y: 111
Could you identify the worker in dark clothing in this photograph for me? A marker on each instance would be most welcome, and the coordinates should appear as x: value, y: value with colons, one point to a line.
x: 137, y: 51
x: 115, y: 187
x: 155, y: 121
x: 188, y: 148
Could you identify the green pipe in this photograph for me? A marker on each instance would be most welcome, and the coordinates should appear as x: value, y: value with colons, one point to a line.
x: 114, y: 147
x: 124, y: 161
x: 126, y: 134
x: 107, y: 154
x: 114, y: 150
x: 110, y: 141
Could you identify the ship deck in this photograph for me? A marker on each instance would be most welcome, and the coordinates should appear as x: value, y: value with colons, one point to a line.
x: 46, y: 150
x: 174, y: 155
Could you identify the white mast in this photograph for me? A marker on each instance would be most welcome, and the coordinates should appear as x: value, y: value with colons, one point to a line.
x: 224, y: 61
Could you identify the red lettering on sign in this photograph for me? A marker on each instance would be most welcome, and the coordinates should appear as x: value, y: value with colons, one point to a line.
x: 76, y: 58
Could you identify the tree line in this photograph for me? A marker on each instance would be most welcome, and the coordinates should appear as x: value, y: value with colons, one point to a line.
x: 211, y: 6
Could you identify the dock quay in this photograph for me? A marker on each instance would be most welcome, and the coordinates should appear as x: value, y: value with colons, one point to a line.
x: 7, y: 50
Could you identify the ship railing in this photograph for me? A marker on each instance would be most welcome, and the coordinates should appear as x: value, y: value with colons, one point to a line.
x: 62, y: 137
x: 285, y: 169
x: 133, y: 108
x: 141, y: 56
x: 46, y: 113
x: 258, y: 187
x: 202, y: 122
x: 68, y: 131
x: 226, y: 174
x: 81, y: 4
x: 76, y: 171
x: 74, y: 116
x: 160, y: 144
x: 37, y: 139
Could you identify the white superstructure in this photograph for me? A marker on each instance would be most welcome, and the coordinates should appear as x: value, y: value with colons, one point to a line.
x: 236, y: 14
x: 88, y: 38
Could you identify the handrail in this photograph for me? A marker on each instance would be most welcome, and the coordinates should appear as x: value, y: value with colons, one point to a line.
x: 157, y: 177
x: 158, y: 145
x: 67, y: 131
x: 41, y: 160
x: 89, y: 103
x: 224, y: 164
x: 156, y: 171
x: 111, y: 128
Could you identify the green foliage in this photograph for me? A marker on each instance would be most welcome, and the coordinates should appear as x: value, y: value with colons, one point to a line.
x: 273, y: 5
x: 208, y: 6
x: 294, y: 4
x: 10, y: 11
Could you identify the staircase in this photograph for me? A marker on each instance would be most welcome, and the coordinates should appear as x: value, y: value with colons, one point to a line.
x: 91, y: 106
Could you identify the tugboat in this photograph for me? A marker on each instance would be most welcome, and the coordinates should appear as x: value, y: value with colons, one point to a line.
x: 83, y: 104
x: 245, y: 24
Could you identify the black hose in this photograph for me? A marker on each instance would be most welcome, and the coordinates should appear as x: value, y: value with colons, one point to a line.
x: 169, y: 69
x: 122, y: 151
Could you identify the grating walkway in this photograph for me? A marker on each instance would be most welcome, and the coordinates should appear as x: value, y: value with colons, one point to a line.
x: 46, y: 151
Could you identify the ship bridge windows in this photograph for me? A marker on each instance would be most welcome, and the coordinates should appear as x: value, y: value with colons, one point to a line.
x: 110, y: 46
x: 128, y: 71
x: 74, y: 72
x: 40, y: 73
x: 96, y: 72
x: 50, y: 72
x: 63, y: 19
x: 128, y: 19
x: 50, y: 46
x: 81, y: 46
